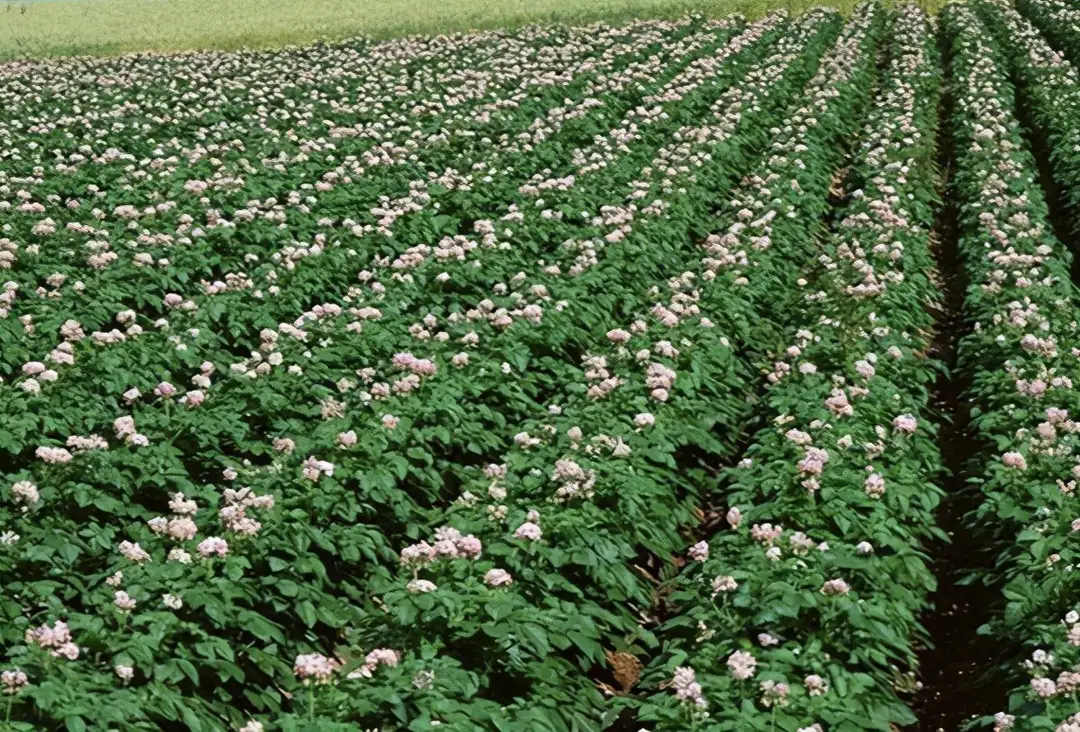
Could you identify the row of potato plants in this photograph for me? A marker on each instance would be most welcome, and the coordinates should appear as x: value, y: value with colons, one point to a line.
x: 1059, y: 20
x: 1049, y: 88
x: 802, y: 613
x: 1020, y: 355
x: 311, y: 535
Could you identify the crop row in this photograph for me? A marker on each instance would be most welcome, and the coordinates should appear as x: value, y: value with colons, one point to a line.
x: 1050, y: 88
x: 1060, y: 21
x: 802, y: 613
x: 1020, y: 356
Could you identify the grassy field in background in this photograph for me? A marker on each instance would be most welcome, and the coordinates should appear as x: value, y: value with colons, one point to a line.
x: 68, y: 27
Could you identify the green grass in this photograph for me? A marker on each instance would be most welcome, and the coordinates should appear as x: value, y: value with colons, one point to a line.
x: 70, y: 27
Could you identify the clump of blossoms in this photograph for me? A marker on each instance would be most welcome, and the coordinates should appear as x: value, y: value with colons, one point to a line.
x: 56, y: 640
x: 774, y: 693
x: 179, y: 527
x: 573, y: 480
x: 498, y: 578
x: 374, y: 659
x: 314, y: 469
x: 687, y: 689
x: 26, y: 493
x: 315, y: 668
x: 213, y: 546
x: 742, y: 665
x: 449, y: 543
x: 13, y: 681
x: 233, y: 515
x: 134, y: 552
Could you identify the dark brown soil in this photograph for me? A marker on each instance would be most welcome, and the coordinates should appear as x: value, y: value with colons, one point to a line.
x: 957, y: 667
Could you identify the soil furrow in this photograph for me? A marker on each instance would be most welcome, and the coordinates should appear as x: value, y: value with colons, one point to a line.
x: 954, y: 666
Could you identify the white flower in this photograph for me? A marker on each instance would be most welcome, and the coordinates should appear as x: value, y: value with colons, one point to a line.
x: 420, y: 585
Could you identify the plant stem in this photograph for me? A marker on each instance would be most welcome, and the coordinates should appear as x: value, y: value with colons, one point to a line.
x: 311, y: 702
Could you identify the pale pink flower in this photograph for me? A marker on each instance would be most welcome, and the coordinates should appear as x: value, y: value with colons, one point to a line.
x: 469, y: 546
x: 13, y: 681
x: 182, y: 529
x: 179, y: 555
x: 182, y: 506
x: 418, y: 554
x: 53, y: 455
x: 686, y: 687
x: 734, y: 517
x: 699, y: 552
x: 123, y: 601
x: 1044, y: 688
x: 742, y: 665
x: 1014, y: 460
x: 530, y: 531
x: 838, y: 404
x: 314, y: 668
x: 905, y: 423
x: 725, y: 584
x: 774, y: 693
x: 417, y: 586
x: 124, y: 426
x: 1057, y: 416
x: 874, y: 485
x: 835, y: 587
x: 389, y: 421
x: 46, y: 637
x: 134, y: 552
x: 498, y: 578
x: 126, y: 673
x: 383, y: 656
x: 314, y: 469
x: 70, y: 651
x: 765, y: 533
x: 25, y: 492
x: 815, y: 685
x: 213, y: 546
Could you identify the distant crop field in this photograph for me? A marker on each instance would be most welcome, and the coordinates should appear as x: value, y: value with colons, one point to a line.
x: 708, y: 374
x: 65, y: 27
